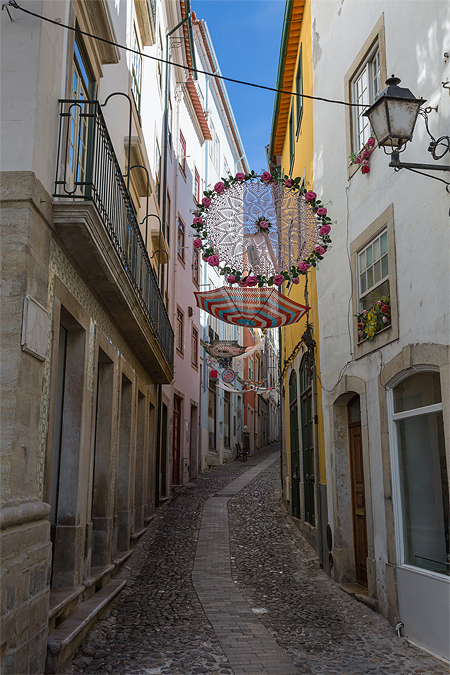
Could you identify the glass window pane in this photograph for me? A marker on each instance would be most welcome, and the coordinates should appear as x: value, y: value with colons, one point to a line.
x: 362, y: 262
x: 424, y: 491
x: 363, y: 282
x: 376, y: 250
x: 384, y: 266
x: 377, y: 272
x: 369, y: 258
x: 417, y: 391
x: 370, y: 277
x: 376, y: 76
x: 383, y: 243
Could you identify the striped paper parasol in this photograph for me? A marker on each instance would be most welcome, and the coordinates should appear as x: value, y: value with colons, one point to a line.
x: 251, y: 307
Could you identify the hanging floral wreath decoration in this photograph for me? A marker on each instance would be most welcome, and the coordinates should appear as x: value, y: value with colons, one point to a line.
x: 262, y: 225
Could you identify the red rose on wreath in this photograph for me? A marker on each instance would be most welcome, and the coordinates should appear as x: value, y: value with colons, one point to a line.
x: 385, y: 309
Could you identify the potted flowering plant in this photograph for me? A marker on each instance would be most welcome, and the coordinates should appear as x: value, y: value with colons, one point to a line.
x: 375, y: 319
x: 362, y: 157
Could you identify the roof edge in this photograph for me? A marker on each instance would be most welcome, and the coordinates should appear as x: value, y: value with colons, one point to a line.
x: 281, y: 65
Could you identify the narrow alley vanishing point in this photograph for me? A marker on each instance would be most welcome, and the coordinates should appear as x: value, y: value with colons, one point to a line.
x: 223, y: 582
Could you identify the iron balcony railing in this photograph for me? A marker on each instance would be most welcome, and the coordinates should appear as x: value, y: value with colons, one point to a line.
x: 88, y: 170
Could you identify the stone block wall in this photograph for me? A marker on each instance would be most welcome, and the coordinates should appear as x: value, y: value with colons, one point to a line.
x: 25, y: 531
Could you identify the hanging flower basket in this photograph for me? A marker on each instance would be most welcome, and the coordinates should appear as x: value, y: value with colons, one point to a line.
x: 363, y: 156
x: 261, y: 230
x: 374, y: 319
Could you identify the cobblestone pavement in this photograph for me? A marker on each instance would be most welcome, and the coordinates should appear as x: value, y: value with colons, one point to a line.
x: 159, y: 627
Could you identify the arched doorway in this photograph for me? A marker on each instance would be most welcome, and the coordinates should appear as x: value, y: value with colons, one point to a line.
x: 358, y: 490
x: 307, y: 442
x: 295, y: 458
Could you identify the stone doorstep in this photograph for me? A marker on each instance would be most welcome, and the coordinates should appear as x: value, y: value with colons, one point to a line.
x: 100, y: 576
x: 361, y: 594
x: 64, y: 641
x: 63, y: 603
x: 121, y: 558
x: 137, y: 535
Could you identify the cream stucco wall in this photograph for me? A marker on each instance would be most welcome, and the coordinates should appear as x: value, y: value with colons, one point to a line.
x: 416, y: 38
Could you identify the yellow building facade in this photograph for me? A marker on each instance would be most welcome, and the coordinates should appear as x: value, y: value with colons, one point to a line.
x: 291, y: 152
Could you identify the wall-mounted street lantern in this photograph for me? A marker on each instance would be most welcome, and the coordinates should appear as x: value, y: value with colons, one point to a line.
x: 393, y: 117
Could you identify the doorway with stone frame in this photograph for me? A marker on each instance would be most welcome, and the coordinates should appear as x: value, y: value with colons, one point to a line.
x: 358, y: 490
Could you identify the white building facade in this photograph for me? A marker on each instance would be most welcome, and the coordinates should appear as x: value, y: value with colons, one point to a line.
x: 101, y: 338
x: 386, y: 385
x: 223, y: 155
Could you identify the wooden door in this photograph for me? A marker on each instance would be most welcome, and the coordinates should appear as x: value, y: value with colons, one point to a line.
x: 176, y: 446
x: 294, y: 443
x: 358, y: 503
x: 306, y: 414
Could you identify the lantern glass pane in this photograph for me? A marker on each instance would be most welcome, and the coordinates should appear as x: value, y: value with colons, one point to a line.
x: 379, y: 121
x: 402, y: 117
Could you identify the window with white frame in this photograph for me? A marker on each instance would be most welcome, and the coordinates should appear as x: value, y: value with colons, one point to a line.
x: 182, y: 157
x: 421, y: 487
x: 217, y: 152
x: 194, y: 347
x: 211, y: 142
x: 196, y: 266
x: 157, y: 168
x: 169, y: 121
x: 166, y: 225
x: 158, y: 63
x: 196, y: 186
x: 365, y: 87
x: 180, y: 239
x: 291, y: 140
x: 180, y: 330
x: 136, y: 70
x: 373, y: 271
x: 250, y: 368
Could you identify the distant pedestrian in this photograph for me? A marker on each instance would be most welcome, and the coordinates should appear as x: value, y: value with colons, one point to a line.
x: 246, y: 440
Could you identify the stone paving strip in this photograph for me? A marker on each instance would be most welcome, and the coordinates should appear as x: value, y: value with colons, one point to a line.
x: 249, y: 647
x: 264, y: 604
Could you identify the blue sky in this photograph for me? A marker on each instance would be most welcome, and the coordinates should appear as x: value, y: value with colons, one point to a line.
x: 246, y: 35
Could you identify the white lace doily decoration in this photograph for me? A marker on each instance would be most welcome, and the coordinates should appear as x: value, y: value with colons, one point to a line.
x: 261, y: 230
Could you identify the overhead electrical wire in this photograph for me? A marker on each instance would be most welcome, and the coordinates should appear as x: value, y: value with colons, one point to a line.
x: 13, y: 3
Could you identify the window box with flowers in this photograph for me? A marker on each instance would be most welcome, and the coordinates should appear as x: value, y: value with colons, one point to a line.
x: 362, y: 158
x: 375, y: 319
x: 374, y: 282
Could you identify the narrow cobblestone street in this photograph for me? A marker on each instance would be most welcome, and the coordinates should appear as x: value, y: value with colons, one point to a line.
x: 223, y: 582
